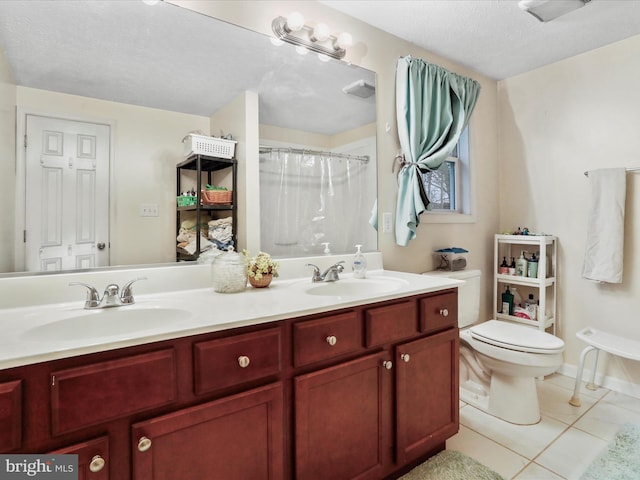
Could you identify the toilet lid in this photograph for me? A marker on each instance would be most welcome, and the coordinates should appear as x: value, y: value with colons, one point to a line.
x: 516, y: 337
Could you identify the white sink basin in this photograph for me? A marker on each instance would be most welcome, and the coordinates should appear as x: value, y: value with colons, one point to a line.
x: 356, y: 287
x: 107, y: 322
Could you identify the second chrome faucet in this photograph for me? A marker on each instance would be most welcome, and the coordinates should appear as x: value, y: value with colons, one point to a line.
x: 329, y: 275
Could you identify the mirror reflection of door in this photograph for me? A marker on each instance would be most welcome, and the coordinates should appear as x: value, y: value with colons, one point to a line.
x: 67, y: 194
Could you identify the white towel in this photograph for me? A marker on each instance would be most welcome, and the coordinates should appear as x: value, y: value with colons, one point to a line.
x: 605, y: 229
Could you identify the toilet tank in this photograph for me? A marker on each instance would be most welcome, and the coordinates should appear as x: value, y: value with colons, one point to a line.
x: 468, y: 294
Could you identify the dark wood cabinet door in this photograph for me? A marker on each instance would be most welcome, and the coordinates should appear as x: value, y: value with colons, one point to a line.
x: 427, y: 396
x: 343, y: 421
x: 239, y: 437
x: 10, y: 415
x: 93, y: 458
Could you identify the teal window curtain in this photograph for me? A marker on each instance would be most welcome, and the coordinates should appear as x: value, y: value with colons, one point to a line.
x: 433, y: 107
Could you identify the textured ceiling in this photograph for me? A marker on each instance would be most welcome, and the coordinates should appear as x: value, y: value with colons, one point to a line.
x: 496, y: 37
x: 171, y: 58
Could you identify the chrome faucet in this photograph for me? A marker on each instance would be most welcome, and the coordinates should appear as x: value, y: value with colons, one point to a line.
x: 112, y: 296
x: 329, y: 275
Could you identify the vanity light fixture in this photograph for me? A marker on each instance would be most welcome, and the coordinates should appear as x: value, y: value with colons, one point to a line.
x: 292, y: 29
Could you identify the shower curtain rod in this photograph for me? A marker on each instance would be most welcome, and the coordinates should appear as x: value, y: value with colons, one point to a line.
x: 628, y: 169
x: 362, y: 158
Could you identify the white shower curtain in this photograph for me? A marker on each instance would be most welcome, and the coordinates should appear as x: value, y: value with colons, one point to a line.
x: 307, y: 199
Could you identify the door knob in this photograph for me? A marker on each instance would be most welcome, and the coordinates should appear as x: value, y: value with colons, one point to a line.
x: 405, y: 357
x: 244, y: 361
x: 388, y: 364
x: 101, y: 246
x: 444, y: 312
x: 332, y: 340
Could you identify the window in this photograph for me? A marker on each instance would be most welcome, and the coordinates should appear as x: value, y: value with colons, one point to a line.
x: 448, y: 187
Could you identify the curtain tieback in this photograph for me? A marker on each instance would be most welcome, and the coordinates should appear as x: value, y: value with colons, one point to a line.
x: 402, y: 162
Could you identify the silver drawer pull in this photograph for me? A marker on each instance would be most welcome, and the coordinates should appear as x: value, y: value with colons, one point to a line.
x: 388, y: 364
x: 144, y: 444
x: 444, y: 312
x: 243, y: 361
x: 332, y: 340
x: 405, y: 357
x: 97, y: 464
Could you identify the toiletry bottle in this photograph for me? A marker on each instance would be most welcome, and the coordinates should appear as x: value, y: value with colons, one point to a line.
x: 507, y: 302
x: 504, y: 268
x: 532, y: 307
x: 521, y: 266
x: 517, y: 299
x: 532, y: 268
x: 359, y: 264
x: 512, y: 266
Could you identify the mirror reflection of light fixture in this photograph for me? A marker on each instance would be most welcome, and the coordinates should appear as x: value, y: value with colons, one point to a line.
x: 547, y: 10
x: 317, y: 39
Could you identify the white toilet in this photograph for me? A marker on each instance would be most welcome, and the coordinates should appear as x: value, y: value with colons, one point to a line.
x: 499, y: 360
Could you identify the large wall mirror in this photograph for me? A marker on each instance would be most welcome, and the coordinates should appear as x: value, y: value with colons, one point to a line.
x: 150, y: 74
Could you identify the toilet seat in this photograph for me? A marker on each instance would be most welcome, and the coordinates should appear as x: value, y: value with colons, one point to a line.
x: 516, y: 337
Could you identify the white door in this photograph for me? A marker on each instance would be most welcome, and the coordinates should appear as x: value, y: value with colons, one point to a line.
x: 67, y: 194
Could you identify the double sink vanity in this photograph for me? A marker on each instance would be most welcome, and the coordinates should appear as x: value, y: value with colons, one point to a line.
x: 339, y: 380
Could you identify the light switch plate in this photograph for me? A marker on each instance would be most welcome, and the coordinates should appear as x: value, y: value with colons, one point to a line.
x: 387, y: 222
x: 149, y: 210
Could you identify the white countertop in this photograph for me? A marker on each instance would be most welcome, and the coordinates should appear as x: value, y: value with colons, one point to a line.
x: 30, y: 333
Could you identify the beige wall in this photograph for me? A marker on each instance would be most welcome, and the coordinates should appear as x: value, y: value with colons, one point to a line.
x: 146, y: 149
x: 379, y: 51
x: 555, y: 123
x: 7, y: 164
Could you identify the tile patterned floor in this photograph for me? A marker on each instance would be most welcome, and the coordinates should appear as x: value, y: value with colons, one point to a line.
x: 560, y: 446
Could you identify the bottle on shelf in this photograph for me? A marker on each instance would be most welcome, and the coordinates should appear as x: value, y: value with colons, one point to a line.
x: 507, y: 302
x: 532, y: 266
x: 517, y: 299
x: 531, y: 305
x: 512, y: 266
x: 521, y: 265
x: 504, y: 268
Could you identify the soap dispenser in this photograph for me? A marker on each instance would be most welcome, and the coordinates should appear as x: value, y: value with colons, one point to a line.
x: 359, y: 264
x: 521, y: 265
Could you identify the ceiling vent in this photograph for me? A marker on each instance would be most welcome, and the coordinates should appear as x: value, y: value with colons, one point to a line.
x: 360, y: 88
x: 547, y: 10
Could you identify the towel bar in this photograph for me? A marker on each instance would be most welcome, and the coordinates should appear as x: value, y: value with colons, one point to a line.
x: 610, y: 343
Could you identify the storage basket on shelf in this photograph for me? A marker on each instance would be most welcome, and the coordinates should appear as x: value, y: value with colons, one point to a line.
x: 212, y: 146
x: 213, y: 197
x: 186, y: 200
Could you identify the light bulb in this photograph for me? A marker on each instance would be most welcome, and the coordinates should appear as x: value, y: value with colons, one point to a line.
x: 302, y: 50
x: 344, y: 40
x: 276, y: 41
x: 295, y: 21
x: 320, y: 32
x: 323, y: 57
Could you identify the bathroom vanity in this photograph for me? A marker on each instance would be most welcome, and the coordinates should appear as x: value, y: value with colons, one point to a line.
x: 352, y: 386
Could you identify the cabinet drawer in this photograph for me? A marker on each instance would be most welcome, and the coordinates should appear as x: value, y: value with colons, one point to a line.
x: 10, y: 415
x: 234, y: 360
x: 391, y: 323
x: 439, y: 311
x: 104, y: 391
x: 328, y: 337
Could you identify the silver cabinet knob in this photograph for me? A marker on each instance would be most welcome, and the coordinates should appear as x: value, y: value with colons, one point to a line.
x: 97, y: 464
x: 444, y: 312
x: 243, y: 361
x: 332, y: 340
x: 405, y: 357
x: 388, y: 364
x: 144, y: 444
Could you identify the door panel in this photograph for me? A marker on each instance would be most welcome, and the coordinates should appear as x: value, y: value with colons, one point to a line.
x: 67, y: 194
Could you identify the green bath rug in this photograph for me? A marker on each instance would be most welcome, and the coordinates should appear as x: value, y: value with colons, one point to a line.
x: 451, y: 465
x: 621, y: 459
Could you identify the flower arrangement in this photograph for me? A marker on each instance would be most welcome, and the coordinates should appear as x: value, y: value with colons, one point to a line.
x: 260, y: 265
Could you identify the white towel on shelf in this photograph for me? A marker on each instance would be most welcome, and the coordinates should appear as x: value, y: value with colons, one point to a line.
x: 605, y: 229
